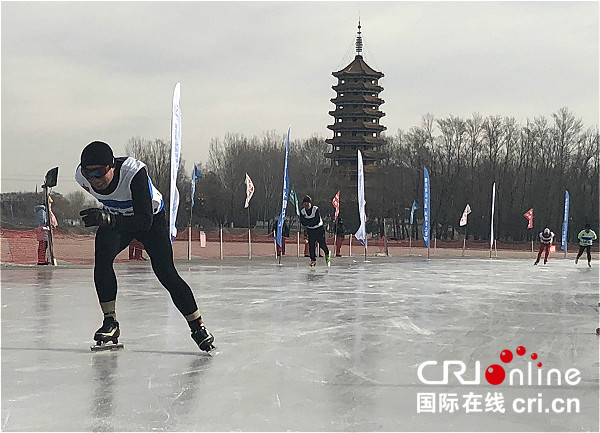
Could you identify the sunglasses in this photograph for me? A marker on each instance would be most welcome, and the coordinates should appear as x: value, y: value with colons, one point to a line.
x: 95, y: 172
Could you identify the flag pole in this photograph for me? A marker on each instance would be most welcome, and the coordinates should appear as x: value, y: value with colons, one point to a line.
x: 385, y: 242
x: 249, y: 236
x: 221, y: 241
x: 190, y: 235
x: 53, y: 261
x: 410, y: 240
x: 299, y: 228
x: 492, y: 219
x: 350, y: 247
x: 335, y: 236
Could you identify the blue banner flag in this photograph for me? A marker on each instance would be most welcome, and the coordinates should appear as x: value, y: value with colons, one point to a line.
x: 286, y: 188
x: 414, y: 207
x: 195, y: 176
x: 565, y: 226
x: 492, y: 219
x: 426, y: 208
x: 294, y: 200
x: 361, y: 234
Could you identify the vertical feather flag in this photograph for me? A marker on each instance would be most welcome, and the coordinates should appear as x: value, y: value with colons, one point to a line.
x: 463, y: 218
x: 529, y: 216
x: 336, y: 204
x: 195, y: 176
x: 426, y: 207
x: 175, y: 154
x: 413, y: 208
x: 294, y: 200
x: 361, y: 234
x: 565, y: 227
x: 286, y: 187
x: 492, y: 219
x: 249, y: 190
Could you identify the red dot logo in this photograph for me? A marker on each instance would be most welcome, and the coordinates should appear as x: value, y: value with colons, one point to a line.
x: 521, y: 351
x: 534, y: 356
x: 506, y: 356
x: 539, y: 364
x: 495, y: 374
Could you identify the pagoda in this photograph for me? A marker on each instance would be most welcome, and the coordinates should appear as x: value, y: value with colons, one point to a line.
x: 356, y: 117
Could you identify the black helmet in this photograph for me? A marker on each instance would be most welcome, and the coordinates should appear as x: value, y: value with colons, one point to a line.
x: 307, y: 199
x: 97, y: 153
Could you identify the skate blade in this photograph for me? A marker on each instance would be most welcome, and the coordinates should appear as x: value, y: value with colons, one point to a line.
x: 106, y: 346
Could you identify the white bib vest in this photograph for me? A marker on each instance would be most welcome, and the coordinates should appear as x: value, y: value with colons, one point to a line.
x: 313, y: 212
x: 546, y: 239
x: 120, y: 200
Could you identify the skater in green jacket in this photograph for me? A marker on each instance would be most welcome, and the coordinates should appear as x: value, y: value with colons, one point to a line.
x: 586, y: 238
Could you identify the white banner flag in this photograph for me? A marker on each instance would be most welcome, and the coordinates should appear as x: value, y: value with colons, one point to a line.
x: 361, y: 234
x: 249, y: 190
x: 175, y: 154
x: 463, y: 218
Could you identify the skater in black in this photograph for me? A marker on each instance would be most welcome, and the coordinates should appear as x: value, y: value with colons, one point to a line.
x: 132, y: 208
x: 311, y: 218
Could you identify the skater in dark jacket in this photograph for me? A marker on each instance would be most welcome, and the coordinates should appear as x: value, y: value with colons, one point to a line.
x: 132, y: 208
x: 311, y: 218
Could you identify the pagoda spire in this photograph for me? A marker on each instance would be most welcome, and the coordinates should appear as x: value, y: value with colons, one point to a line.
x: 359, y: 42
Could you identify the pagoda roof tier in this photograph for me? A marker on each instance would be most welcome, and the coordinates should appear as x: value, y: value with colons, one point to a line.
x: 350, y: 155
x: 357, y: 98
x: 357, y: 145
x: 359, y: 140
x: 365, y: 87
x: 356, y: 126
x: 356, y: 68
x: 352, y: 112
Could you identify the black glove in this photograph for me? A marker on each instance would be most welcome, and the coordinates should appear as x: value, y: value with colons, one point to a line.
x: 97, y: 217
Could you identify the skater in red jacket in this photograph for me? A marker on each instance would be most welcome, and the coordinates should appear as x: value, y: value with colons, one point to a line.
x: 546, y: 238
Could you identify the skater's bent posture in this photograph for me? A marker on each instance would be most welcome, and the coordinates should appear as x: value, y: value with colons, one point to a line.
x: 311, y: 218
x: 132, y: 208
x: 586, y: 239
x: 546, y: 238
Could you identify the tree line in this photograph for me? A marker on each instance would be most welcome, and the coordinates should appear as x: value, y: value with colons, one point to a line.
x: 532, y: 165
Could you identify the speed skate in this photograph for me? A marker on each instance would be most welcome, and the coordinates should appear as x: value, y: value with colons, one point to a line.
x: 106, y: 345
x: 107, y: 337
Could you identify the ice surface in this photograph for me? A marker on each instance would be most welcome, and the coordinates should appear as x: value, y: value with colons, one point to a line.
x: 298, y: 349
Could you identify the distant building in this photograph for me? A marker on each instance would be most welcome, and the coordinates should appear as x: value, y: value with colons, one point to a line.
x: 356, y: 117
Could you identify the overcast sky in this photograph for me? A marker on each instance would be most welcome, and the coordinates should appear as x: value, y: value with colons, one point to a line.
x: 82, y: 71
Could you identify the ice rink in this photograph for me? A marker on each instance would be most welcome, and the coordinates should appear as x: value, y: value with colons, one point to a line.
x: 336, y: 349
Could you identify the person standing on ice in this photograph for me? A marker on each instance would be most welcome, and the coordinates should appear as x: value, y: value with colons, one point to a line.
x: 311, y: 218
x: 132, y: 208
x: 586, y: 238
x: 546, y: 238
